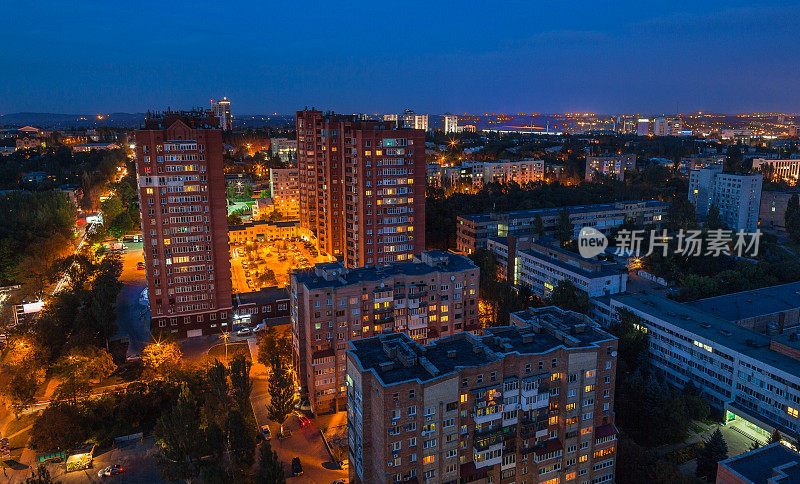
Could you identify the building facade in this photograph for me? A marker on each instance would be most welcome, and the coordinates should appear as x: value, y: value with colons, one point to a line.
x: 181, y: 184
x: 737, y: 196
x: 772, y: 464
x: 222, y: 110
x: 772, y: 214
x: 283, y: 187
x: 451, y: 124
x: 434, y: 295
x: 532, y: 402
x: 785, y: 170
x: 541, y: 265
x: 506, y: 171
x: 752, y: 377
x: 284, y: 148
x: 362, y: 187
x: 473, y: 231
x: 610, y: 165
x: 412, y: 120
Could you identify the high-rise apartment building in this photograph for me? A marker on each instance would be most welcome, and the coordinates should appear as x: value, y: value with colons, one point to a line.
x: 362, y: 187
x: 736, y: 195
x: 412, y: 120
x: 179, y: 169
x: 433, y: 296
x: 283, y: 187
x: 532, y: 402
x: 222, y: 110
x: 451, y: 123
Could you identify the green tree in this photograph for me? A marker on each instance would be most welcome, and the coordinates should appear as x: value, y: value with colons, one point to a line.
x: 58, y: 427
x: 564, y: 229
x: 281, y: 392
x: 714, y: 450
x: 792, y: 218
x: 538, y: 225
x: 22, y: 390
x: 41, y: 476
x: 241, y: 443
x: 714, y: 219
x: 179, y: 440
x: 270, y: 469
x: 681, y: 214
x: 569, y: 298
x: 241, y: 384
x: 274, y: 344
x: 162, y: 360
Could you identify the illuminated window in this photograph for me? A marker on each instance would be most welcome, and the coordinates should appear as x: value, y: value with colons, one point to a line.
x: 570, y: 476
x: 590, y: 373
x: 589, y: 388
x: 570, y: 406
x: 791, y: 411
x: 603, y: 452
x: 149, y: 191
x: 586, y: 430
x: 553, y: 420
x: 464, y: 397
x: 428, y: 459
x: 583, y: 458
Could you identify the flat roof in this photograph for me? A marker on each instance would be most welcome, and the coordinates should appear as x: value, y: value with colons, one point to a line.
x: 268, y: 294
x: 574, y: 209
x: 608, y: 268
x: 712, y: 328
x: 758, y: 466
x: 455, y: 263
x: 754, y: 303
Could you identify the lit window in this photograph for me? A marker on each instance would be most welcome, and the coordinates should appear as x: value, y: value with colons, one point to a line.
x: 791, y: 411
x: 428, y: 459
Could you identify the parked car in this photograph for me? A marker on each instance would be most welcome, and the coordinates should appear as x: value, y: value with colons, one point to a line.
x: 265, y: 432
x: 244, y: 331
x: 297, y: 467
x: 140, y: 265
x: 304, y: 421
x: 111, y: 470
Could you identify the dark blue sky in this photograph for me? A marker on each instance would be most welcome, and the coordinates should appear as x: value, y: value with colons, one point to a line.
x: 368, y: 56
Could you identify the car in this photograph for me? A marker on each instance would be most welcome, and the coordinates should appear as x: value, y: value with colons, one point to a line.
x: 304, y: 421
x: 244, y: 331
x: 140, y: 265
x: 111, y: 470
x: 297, y: 467
x: 265, y: 432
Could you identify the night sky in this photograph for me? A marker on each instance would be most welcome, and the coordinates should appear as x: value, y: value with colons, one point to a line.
x: 383, y: 56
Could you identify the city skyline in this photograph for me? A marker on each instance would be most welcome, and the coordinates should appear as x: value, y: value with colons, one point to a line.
x: 645, y: 58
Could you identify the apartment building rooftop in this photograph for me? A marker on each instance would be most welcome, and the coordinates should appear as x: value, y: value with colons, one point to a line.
x: 587, y: 268
x: 771, y: 464
x: 395, y: 357
x: 487, y: 217
x: 334, y: 274
x: 718, y: 331
x: 754, y: 303
x: 268, y: 294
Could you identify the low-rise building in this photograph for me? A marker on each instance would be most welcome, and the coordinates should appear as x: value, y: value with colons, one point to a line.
x: 540, y: 264
x: 772, y: 214
x: 750, y: 376
x: 431, y: 296
x: 268, y: 306
x: 532, y: 402
x: 86, y: 147
x: 473, y: 231
x: 785, y: 170
x: 262, y: 230
x: 772, y: 464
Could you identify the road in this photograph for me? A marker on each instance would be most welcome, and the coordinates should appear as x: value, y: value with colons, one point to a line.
x: 305, y: 443
x: 133, y: 315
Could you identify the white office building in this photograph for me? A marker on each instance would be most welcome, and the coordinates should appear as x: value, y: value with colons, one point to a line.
x: 451, y: 124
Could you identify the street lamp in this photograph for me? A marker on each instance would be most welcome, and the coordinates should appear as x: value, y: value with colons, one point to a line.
x: 225, y: 337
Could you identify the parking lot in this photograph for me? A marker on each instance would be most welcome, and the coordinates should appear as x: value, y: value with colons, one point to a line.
x: 255, y: 265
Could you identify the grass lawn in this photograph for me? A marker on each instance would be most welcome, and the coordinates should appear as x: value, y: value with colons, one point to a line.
x: 234, y: 349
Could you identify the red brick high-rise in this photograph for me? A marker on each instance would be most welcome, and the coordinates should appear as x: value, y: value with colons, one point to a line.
x: 362, y: 187
x: 184, y: 227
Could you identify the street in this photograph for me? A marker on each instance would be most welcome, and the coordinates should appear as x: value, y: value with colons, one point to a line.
x: 305, y: 443
x: 133, y: 315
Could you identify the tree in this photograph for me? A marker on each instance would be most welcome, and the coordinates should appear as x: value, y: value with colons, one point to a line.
x: 792, y: 218
x: 241, y: 385
x: 22, y: 390
x: 58, y: 428
x: 241, y: 442
x: 273, y: 344
x: 714, y: 219
x: 270, y: 469
x: 681, y: 214
x: 41, y: 476
x: 179, y: 440
x: 281, y: 392
x: 538, y: 225
x: 161, y: 360
x: 714, y: 450
x: 564, y: 229
x: 569, y: 298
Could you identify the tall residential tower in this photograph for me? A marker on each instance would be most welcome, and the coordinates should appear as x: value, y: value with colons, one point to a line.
x: 362, y: 187
x: 182, y: 201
